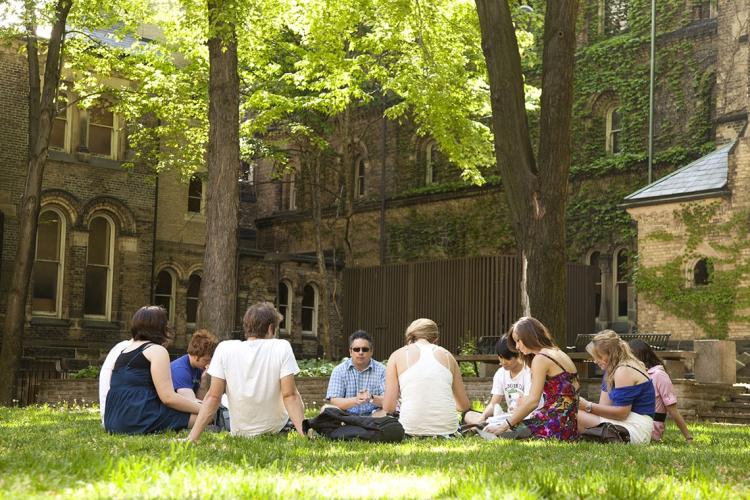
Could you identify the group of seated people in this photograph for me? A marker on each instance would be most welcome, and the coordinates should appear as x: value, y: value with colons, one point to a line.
x: 141, y: 392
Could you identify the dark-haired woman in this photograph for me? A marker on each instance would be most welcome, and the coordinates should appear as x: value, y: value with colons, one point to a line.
x: 141, y: 398
x: 553, y: 374
x: 666, y: 401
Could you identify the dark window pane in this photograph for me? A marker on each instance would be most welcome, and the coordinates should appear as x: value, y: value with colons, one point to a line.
x: 622, y: 266
x: 308, y: 299
x: 194, y: 286
x: 702, y: 272
x: 195, y: 194
x: 361, y: 178
x: 95, y: 300
x: 164, y: 301
x: 101, y: 116
x: 307, y: 319
x: 164, y: 283
x: 44, y: 298
x: 284, y: 305
x: 622, y: 299
x: 100, y: 140
x: 48, y: 236
x: 191, y: 310
x: 57, y: 139
x: 193, y: 292
x: 99, y: 236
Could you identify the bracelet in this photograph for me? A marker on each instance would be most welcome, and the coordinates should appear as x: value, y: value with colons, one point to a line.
x: 510, y: 426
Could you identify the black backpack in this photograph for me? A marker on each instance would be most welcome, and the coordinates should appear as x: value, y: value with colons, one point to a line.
x: 334, y: 423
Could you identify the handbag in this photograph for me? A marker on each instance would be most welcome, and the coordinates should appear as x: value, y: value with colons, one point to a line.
x: 606, y: 432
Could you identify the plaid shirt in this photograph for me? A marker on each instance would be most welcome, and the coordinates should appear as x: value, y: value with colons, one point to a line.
x: 346, y: 381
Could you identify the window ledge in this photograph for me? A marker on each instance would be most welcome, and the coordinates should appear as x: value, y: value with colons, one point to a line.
x: 49, y: 321
x: 83, y: 159
x: 101, y: 323
x: 309, y: 335
x: 195, y: 217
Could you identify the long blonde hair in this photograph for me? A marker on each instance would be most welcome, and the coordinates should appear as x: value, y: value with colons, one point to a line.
x: 422, y: 328
x: 609, y: 343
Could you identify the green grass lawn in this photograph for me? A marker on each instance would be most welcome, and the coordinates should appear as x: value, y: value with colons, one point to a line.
x: 63, y: 452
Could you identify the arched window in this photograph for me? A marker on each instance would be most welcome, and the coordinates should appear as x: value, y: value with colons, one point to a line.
x: 702, y: 272
x: 310, y: 310
x: 99, y: 258
x: 195, y: 195
x: 622, y: 269
x: 614, y: 130
x: 193, y: 295
x: 48, y: 263
x: 594, y: 262
x: 164, y: 292
x: 292, y: 191
x: 285, y: 306
x: 359, y: 178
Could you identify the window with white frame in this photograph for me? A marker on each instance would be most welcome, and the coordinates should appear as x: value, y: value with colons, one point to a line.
x: 594, y: 262
x: 96, y: 130
x: 101, y: 132
x: 310, y: 310
x: 247, y: 172
x: 193, y: 296
x: 164, y: 292
x: 99, y: 261
x: 48, y: 264
x: 285, y: 306
x: 614, y: 130
x: 195, y: 195
x: 622, y: 272
x: 359, y: 178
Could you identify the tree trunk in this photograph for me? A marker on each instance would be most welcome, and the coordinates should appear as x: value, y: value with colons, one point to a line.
x: 317, y: 213
x: 347, y: 164
x: 41, y: 115
x: 536, y: 190
x: 218, y: 286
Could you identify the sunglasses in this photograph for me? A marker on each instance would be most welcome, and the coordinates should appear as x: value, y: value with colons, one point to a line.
x: 360, y: 349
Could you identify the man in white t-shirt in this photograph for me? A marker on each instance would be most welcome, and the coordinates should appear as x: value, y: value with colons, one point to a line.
x: 258, y: 377
x: 511, y: 383
x: 105, y: 374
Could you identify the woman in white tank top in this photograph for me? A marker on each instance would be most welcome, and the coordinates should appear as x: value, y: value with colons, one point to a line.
x: 428, y: 380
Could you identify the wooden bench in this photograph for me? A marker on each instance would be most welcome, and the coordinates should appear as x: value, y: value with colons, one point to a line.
x: 674, y: 361
x: 657, y: 341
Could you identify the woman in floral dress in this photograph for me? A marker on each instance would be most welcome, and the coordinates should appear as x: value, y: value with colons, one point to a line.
x: 553, y: 375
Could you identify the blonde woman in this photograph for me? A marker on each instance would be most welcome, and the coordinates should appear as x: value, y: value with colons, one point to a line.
x: 628, y: 397
x: 428, y: 380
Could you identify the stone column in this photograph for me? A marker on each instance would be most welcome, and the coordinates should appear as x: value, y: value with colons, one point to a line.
x: 715, y: 361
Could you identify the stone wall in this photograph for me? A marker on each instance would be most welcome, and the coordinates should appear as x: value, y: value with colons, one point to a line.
x: 692, y: 398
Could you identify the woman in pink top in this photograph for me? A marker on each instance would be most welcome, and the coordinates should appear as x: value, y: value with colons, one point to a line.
x: 666, y: 401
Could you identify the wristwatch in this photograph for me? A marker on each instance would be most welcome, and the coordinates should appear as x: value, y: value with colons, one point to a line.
x: 589, y: 407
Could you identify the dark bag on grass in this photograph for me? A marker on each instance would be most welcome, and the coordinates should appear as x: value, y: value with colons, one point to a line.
x: 334, y: 423
x: 606, y: 432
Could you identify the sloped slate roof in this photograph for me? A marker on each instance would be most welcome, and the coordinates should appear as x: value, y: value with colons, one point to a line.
x: 705, y: 176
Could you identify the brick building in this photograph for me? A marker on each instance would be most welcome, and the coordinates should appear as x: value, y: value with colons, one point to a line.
x: 112, y: 240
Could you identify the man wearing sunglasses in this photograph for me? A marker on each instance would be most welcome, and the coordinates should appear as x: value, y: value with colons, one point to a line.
x: 357, y: 385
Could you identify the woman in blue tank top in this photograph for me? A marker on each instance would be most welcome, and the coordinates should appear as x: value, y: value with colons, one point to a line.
x: 627, y: 397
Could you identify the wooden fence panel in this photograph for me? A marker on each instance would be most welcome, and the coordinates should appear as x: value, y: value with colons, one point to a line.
x: 468, y: 298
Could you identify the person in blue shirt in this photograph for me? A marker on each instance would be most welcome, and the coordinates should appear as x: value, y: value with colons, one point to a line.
x: 188, y: 370
x: 357, y: 385
x: 627, y: 398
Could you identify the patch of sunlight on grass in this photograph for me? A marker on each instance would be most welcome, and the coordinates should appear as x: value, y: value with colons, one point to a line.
x: 221, y: 483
